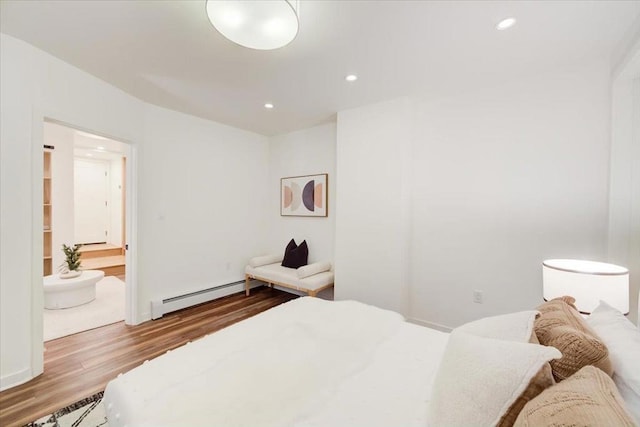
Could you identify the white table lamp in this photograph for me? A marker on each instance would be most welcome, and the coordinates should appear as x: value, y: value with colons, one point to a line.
x: 588, y: 282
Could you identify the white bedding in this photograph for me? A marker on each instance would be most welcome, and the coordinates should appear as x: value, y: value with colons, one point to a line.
x: 308, y: 362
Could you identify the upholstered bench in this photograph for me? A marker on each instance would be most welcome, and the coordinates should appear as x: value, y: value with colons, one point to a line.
x: 311, y: 278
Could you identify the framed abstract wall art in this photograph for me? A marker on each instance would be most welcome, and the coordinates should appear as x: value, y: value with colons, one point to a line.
x: 304, y: 195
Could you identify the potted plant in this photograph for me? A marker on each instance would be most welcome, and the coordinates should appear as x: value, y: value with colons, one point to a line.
x: 71, y: 265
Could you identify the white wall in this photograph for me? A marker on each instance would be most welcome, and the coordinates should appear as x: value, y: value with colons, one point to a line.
x: 306, y: 152
x: 373, y: 204
x: 500, y: 179
x: 503, y: 179
x: 201, y: 188
x: 634, y: 230
x: 624, y: 201
x: 16, y: 214
x: 61, y: 188
x: 33, y: 85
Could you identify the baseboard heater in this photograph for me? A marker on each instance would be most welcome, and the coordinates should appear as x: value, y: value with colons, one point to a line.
x: 164, y: 306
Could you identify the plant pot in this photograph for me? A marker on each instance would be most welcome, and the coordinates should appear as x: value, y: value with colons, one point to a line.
x: 70, y: 274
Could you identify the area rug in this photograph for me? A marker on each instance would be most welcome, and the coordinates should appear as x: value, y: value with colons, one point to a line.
x: 107, y: 308
x: 87, y: 412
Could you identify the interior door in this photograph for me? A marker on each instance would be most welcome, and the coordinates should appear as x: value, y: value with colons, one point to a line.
x: 91, y: 186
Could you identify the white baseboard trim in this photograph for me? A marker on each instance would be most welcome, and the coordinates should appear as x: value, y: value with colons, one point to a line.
x: 431, y: 325
x: 15, y: 379
x: 144, y: 317
x: 160, y: 308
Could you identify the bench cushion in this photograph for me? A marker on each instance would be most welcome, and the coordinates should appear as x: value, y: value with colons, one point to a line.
x: 265, y: 260
x: 289, y: 276
x: 311, y: 269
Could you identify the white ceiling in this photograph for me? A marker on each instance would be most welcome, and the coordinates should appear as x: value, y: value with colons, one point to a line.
x: 88, y: 145
x: 167, y: 53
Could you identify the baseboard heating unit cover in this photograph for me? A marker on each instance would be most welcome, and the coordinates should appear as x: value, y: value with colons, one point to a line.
x: 164, y: 306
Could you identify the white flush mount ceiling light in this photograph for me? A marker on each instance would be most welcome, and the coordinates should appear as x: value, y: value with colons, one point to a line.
x: 506, y: 23
x: 268, y: 106
x: 351, y: 78
x: 261, y: 25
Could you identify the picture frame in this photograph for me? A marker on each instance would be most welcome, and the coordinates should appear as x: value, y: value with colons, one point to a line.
x: 304, y: 195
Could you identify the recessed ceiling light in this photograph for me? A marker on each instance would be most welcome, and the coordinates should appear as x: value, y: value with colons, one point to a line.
x: 506, y: 23
x: 351, y: 78
x: 268, y: 106
x: 99, y: 148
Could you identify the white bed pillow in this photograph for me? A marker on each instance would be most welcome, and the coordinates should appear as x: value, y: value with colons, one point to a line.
x: 488, y: 365
x: 265, y: 260
x: 622, y: 339
x: 311, y: 269
x: 513, y: 327
x: 479, y: 378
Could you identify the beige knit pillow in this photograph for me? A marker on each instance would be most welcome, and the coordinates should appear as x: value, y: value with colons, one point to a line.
x: 561, y: 326
x: 540, y: 382
x: 588, y: 398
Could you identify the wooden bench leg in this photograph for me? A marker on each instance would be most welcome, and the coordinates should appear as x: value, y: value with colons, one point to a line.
x: 246, y: 284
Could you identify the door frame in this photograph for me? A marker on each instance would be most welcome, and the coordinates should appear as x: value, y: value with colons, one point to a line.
x: 132, y: 316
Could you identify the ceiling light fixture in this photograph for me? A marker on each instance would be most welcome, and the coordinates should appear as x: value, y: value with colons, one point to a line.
x: 506, y: 23
x: 261, y: 25
x: 268, y: 106
x: 99, y: 148
x: 351, y: 78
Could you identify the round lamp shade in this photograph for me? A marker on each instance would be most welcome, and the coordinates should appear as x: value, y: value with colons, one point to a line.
x: 588, y: 282
x: 262, y: 25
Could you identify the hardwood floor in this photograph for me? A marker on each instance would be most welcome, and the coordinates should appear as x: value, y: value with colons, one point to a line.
x: 80, y: 365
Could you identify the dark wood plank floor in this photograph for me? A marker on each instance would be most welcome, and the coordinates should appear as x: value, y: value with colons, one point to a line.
x: 80, y: 365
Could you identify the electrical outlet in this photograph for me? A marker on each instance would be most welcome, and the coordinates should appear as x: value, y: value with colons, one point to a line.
x: 477, y: 297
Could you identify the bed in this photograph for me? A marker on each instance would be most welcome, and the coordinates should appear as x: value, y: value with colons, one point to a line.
x: 311, y: 362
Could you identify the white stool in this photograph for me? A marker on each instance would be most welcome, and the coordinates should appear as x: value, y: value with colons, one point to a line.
x: 65, y: 293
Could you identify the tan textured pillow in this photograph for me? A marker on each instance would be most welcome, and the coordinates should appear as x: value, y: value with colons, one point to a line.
x: 540, y: 382
x: 588, y: 398
x: 561, y: 326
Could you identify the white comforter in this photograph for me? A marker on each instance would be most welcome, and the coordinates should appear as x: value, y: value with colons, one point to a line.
x: 308, y: 362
